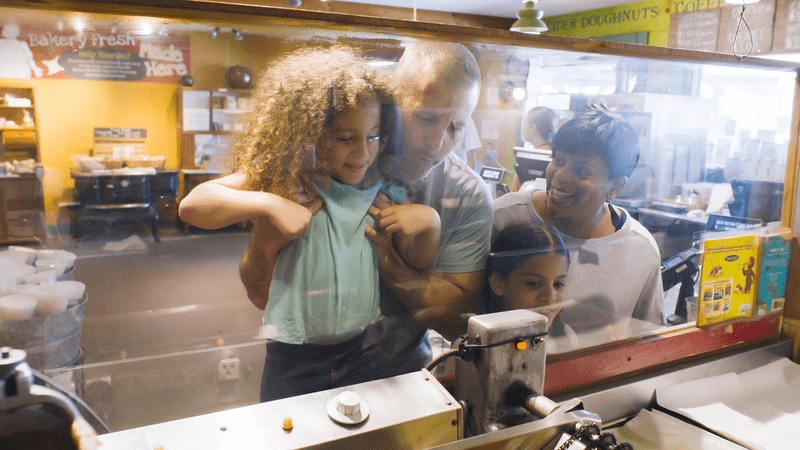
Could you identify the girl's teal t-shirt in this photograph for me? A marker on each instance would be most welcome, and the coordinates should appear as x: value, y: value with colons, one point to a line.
x: 325, y: 285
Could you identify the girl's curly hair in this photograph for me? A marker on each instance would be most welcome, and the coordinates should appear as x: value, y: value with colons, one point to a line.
x: 282, y: 147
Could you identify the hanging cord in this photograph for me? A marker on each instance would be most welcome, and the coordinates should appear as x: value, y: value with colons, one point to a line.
x: 736, y: 35
x: 440, y: 358
x: 472, y: 352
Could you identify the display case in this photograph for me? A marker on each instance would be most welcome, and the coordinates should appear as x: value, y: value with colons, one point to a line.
x: 18, y: 136
x: 698, y: 115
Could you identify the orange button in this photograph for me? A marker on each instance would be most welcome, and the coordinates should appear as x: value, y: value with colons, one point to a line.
x: 287, y: 424
x: 522, y: 345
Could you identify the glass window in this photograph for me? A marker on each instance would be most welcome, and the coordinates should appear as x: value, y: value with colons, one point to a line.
x: 126, y: 114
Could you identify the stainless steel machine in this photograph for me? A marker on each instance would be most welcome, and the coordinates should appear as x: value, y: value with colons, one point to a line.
x: 500, y: 384
x: 500, y: 372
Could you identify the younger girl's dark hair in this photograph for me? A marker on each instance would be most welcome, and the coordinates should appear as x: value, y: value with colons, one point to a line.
x: 514, y: 245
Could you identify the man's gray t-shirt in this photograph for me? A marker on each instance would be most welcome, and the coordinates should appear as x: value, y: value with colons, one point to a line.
x: 464, y: 205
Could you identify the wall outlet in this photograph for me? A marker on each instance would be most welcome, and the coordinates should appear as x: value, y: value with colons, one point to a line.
x: 228, y: 370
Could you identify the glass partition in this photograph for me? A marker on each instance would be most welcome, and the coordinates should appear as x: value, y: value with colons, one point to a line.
x: 714, y: 138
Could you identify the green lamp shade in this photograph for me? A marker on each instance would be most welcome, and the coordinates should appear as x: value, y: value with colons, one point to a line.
x: 530, y: 20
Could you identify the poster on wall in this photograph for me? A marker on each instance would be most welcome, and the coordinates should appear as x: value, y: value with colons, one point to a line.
x: 41, y: 52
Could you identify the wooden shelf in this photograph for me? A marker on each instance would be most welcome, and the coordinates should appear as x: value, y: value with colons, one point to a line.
x: 206, y: 112
x: 18, y: 142
x: 17, y: 128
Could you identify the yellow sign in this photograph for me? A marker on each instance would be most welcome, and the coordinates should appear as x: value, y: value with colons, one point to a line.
x: 649, y: 16
x: 644, y: 16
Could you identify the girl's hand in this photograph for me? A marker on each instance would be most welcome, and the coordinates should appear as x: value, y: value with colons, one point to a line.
x: 293, y: 220
x: 408, y: 220
x: 387, y: 254
x: 287, y: 221
x: 380, y: 203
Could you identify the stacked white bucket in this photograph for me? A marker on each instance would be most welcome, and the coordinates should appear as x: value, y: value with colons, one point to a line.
x: 41, y: 307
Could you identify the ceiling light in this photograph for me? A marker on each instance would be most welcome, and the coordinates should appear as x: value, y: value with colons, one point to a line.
x: 530, y: 20
x: 214, y: 32
x: 295, y: 3
x: 238, y: 35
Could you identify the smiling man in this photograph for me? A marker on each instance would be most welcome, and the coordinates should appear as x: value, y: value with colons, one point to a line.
x: 615, y: 262
x: 438, y: 86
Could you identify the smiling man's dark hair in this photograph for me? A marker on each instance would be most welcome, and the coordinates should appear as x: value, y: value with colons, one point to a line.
x: 608, y: 135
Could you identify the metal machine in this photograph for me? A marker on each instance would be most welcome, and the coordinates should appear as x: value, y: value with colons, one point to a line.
x: 500, y: 385
x: 501, y: 366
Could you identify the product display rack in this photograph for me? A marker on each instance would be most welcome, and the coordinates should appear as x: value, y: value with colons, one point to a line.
x: 18, y: 132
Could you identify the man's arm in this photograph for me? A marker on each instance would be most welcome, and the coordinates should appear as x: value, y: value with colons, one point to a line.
x: 258, y: 262
x: 436, y: 299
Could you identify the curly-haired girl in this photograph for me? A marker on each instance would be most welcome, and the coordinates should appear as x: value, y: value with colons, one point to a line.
x: 306, y: 174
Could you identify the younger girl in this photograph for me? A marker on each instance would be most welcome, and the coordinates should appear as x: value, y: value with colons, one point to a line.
x: 321, y: 117
x: 527, y: 270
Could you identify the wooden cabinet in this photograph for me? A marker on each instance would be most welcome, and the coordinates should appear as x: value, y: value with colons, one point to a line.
x: 22, y: 209
x: 18, y: 137
x: 209, y: 121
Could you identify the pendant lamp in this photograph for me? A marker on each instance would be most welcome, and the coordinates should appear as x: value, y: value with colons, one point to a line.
x: 530, y: 19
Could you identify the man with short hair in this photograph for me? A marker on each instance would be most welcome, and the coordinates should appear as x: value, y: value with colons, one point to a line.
x: 438, y: 85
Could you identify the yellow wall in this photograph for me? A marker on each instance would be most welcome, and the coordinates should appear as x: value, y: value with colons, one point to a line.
x: 67, y: 111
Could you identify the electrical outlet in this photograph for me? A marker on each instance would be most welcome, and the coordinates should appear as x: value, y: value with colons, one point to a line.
x: 228, y: 370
